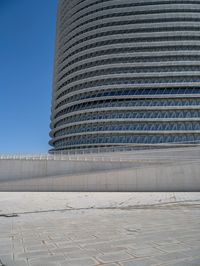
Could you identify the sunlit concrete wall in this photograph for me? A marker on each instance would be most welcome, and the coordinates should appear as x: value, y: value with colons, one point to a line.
x: 14, y: 169
x: 98, y: 176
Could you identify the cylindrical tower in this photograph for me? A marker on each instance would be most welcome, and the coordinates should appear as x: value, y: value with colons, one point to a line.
x: 126, y: 73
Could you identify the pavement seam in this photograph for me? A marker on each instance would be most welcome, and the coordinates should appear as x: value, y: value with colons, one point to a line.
x: 146, y: 206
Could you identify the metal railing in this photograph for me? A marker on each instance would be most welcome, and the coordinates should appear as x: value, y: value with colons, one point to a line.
x: 124, y: 148
x: 124, y: 153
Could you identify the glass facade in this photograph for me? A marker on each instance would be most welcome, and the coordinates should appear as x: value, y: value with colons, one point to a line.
x: 126, y: 73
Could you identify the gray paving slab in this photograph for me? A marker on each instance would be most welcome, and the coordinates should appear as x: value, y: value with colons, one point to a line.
x: 173, y: 256
x: 80, y: 262
x: 66, y: 250
x: 114, y: 257
x: 138, y: 262
x: 42, y: 263
x: 112, y: 264
x: 34, y: 254
x: 47, y: 260
x: 145, y: 252
x: 82, y: 254
x: 192, y: 262
x: 151, y: 234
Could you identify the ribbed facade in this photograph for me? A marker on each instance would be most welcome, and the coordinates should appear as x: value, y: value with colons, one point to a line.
x: 126, y: 73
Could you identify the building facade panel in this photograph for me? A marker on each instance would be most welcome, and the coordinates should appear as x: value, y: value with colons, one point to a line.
x: 126, y: 73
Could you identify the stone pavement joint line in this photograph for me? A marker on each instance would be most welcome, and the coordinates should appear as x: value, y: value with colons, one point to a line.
x: 167, y: 235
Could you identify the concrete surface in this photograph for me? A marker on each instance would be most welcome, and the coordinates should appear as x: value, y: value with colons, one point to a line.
x: 113, y: 229
x: 176, y: 169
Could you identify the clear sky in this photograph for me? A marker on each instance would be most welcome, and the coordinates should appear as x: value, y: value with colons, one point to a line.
x: 27, y: 41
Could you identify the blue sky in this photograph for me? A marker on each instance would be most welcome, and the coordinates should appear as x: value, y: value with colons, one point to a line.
x: 27, y: 41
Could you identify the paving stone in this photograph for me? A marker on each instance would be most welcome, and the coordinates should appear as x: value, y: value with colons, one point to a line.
x: 79, y: 262
x: 97, y: 245
x: 66, y: 250
x: 171, y: 248
x: 123, y: 242
x: 136, y: 262
x: 111, y: 249
x: 64, y: 243
x: 32, y: 244
x: 47, y: 260
x: 33, y: 254
x: 37, y: 248
x: 167, y: 235
x: 184, y: 263
x: 82, y: 254
x: 145, y: 252
x: 84, y: 243
x: 44, y: 263
x: 173, y: 256
x: 111, y: 264
x: 19, y: 249
x: 114, y: 257
x: 167, y: 242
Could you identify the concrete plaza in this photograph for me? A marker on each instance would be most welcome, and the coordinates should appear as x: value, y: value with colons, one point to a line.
x: 84, y: 229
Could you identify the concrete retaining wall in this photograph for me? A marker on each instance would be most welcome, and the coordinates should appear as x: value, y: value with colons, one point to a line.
x: 12, y: 169
x: 99, y: 176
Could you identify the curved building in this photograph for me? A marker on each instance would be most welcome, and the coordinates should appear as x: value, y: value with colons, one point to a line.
x: 126, y: 73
